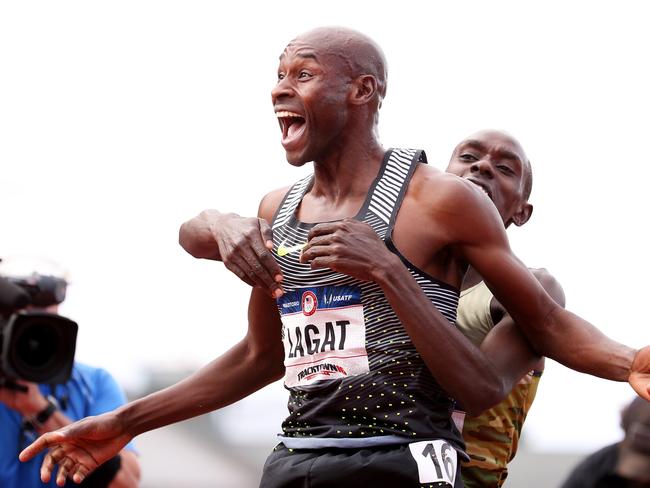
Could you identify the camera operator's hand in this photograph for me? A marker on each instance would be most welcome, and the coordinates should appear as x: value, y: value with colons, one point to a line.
x: 244, y: 245
x: 27, y: 403
x: 79, y: 448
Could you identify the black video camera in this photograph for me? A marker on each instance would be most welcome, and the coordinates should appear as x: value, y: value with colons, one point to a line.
x: 34, y: 346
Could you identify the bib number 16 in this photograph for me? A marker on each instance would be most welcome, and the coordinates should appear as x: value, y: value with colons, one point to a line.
x: 436, y: 460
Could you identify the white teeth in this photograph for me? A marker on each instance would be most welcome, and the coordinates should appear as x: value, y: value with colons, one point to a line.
x: 283, y: 114
x: 481, y: 188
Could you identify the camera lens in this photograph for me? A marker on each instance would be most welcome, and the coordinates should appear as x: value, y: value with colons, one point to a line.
x: 39, y: 347
x: 37, y: 344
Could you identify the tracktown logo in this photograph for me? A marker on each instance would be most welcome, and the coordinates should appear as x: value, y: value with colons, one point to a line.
x: 324, y: 369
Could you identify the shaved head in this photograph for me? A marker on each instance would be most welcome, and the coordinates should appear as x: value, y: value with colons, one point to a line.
x: 357, y: 53
x: 331, y: 84
x: 527, y: 170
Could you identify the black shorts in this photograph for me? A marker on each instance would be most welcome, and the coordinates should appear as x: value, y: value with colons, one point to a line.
x: 374, y: 467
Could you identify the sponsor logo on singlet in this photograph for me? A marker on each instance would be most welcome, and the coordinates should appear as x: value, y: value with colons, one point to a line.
x: 324, y: 334
x: 284, y: 250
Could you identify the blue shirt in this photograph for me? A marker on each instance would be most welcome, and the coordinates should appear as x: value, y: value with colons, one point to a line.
x: 90, y: 391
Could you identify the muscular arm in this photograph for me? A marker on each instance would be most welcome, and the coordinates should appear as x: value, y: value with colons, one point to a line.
x: 353, y: 248
x: 536, y: 307
x: 419, y: 316
x: 31, y: 401
x: 507, y: 346
x: 504, y: 357
x: 459, y: 366
x: 551, y: 330
x: 197, y: 235
x: 243, y: 244
x: 251, y: 364
x: 254, y: 362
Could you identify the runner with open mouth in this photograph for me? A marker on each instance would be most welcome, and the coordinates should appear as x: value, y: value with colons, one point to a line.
x: 293, y: 127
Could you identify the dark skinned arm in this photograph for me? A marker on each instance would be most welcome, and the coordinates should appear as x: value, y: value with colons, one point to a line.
x: 250, y: 365
x: 449, y: 355
x: 199, y: 235
x: 505, y: 356
x: 533, y: 306
x: 507, y: 346
x: 353, y: 248
x: 256, y: 361
x: 551, y: 330
x: 31, y: 401
x: 493, y: 385
x: 243, y: 244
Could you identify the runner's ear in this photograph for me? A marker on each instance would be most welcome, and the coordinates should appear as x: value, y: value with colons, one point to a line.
x: 364, y: 89
x: 523, y: 214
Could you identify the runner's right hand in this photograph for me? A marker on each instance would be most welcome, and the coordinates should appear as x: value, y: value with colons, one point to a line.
x: 79, y: 448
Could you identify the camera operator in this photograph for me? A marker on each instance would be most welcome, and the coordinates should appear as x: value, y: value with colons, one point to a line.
x: 28, y: 410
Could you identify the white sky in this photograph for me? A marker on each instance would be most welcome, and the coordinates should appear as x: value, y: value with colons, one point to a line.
x: 119, y: 120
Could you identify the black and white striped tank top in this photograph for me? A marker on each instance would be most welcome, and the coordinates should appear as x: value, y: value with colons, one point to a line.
x: 354, y: 377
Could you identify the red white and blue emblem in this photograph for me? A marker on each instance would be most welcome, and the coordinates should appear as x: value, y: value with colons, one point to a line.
x: 309, y: 303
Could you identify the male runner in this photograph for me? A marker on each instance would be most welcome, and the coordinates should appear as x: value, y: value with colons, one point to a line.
x: 331, y: 83
x: 485, y: 159
x: 492, y: 437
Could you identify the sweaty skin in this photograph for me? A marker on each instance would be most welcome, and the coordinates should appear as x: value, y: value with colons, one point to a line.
x: 327, y: 98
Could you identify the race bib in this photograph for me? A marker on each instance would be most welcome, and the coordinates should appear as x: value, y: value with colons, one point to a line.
x: 437, y: 461
x: 324, y: 334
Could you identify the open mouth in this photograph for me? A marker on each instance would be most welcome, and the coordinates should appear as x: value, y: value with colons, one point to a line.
x: 480, y: 185
x: 293, y: 126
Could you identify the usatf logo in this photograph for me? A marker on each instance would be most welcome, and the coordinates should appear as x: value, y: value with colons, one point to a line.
x: 309, y: 303
x: 324, y: 369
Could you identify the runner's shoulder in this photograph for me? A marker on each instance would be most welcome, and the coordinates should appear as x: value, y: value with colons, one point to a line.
x: 446, y: 191
x: 271, y: 202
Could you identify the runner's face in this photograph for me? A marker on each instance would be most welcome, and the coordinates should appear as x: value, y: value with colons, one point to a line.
x: 495, y: 162
x: 310, y: 100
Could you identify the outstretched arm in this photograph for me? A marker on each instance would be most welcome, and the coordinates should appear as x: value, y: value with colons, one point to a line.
x: 256, y: 361
x: 551, y: 330
x: 353, y: 248
x: 31, y: 401
x: 507, y: 346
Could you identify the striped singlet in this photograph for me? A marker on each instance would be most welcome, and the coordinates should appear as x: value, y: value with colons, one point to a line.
x: 354, y: 377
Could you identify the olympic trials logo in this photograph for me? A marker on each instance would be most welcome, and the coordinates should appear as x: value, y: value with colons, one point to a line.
x: 309, y: 303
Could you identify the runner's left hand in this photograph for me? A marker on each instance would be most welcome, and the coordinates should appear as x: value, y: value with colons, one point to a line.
x: 347, y: 246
